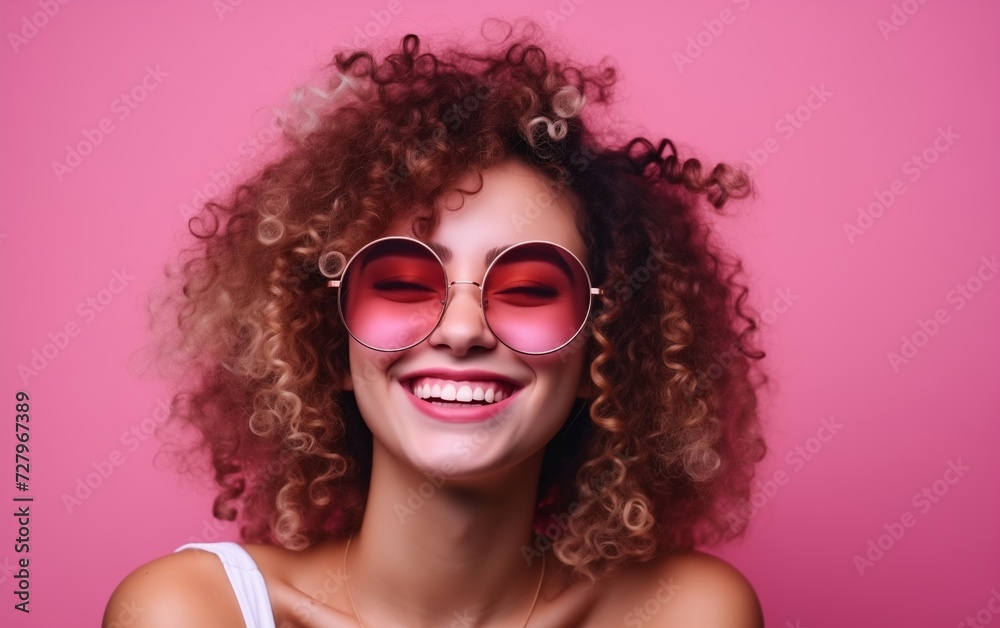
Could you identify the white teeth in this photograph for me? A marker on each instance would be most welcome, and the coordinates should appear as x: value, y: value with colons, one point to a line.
x: 445, y: 391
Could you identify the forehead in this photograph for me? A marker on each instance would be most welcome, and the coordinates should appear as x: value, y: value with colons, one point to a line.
x: 516, y: 204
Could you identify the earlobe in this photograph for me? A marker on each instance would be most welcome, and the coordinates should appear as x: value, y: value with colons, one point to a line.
x: 347, y: 383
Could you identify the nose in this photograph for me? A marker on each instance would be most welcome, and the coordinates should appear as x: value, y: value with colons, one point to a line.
x: 463, y: 325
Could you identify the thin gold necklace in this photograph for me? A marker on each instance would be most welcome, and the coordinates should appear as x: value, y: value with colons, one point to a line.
x: 347, y: 583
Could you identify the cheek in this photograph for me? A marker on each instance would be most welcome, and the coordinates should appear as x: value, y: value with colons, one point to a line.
x: 368, y: 371
x: 560, y: 373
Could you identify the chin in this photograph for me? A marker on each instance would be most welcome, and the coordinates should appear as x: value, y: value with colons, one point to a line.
x: 466, y: 452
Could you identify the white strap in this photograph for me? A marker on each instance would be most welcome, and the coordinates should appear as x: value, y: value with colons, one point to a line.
x: 246, y: 580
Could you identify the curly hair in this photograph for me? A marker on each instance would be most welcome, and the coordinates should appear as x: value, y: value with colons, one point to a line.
x: 673, y: 434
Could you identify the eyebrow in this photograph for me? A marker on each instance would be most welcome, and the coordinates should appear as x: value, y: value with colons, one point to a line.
x: 445, y: 253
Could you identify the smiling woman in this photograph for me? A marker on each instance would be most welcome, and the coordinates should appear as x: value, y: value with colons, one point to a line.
x: 459, y: 359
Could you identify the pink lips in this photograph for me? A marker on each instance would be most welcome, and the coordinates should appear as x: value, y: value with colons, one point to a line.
x: 459, y: 414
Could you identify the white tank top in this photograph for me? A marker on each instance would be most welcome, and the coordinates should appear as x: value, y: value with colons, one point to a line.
x: 246, y: 580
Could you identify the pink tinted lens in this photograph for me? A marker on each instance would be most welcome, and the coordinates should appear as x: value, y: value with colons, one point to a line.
x: 537, y: 297
x: 392, y: 294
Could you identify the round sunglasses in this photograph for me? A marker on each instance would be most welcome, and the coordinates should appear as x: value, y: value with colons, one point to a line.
x: 535, y: 295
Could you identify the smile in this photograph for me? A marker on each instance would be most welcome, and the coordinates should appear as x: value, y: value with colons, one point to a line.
x: 462, y: 392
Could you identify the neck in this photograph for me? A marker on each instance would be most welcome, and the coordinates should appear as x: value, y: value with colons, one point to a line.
x: 433, y: 552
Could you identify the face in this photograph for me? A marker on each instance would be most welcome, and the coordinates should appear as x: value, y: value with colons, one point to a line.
x: 400, y: 393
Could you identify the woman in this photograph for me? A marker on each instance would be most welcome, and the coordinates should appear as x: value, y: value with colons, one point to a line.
x: 459, y: 359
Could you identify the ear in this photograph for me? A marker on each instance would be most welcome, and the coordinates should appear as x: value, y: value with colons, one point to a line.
x: 347, y: 383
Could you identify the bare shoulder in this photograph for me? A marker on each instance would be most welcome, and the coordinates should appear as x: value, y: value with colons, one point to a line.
x: 676, y: 591
x: 697, y: 589
x: 188, y: 588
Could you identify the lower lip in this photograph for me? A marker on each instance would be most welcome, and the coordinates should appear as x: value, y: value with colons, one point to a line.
x: 456, y: 414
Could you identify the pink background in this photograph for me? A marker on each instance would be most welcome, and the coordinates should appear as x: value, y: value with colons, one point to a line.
x: 835, y: 307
